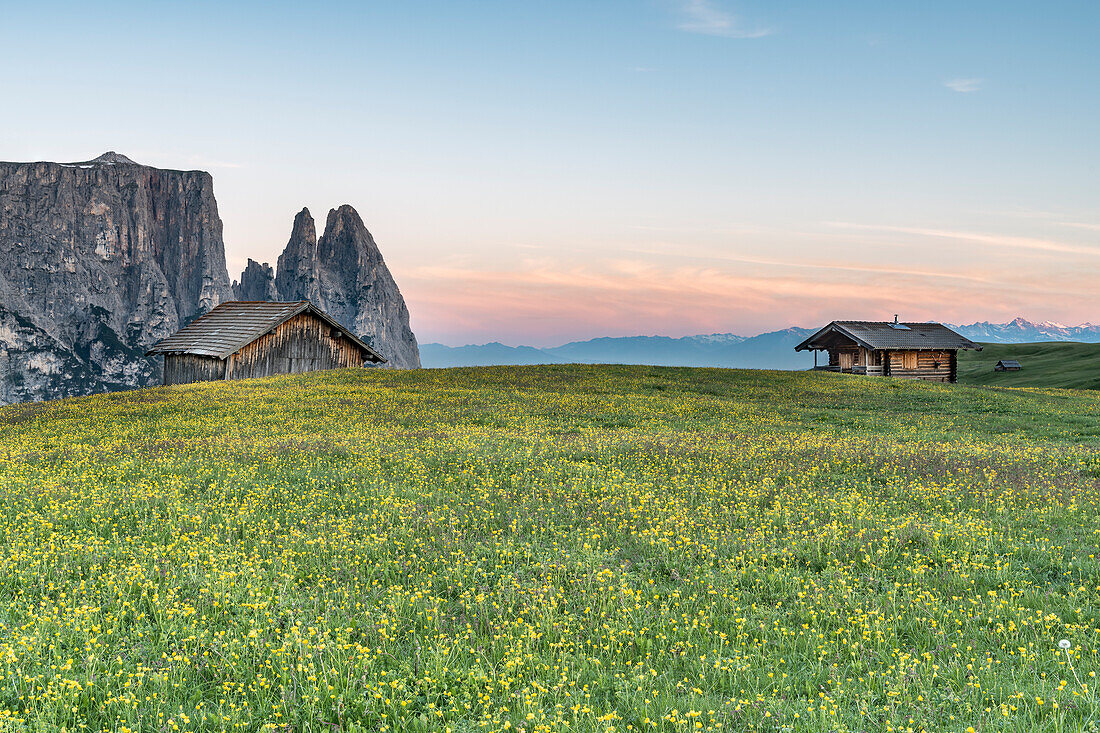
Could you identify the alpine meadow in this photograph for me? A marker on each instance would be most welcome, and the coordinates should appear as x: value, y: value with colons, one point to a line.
x: 583, y: 548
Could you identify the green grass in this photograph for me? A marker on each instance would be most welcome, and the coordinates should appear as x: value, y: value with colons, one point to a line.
x: 574, y: 548
x: 1045, y: 365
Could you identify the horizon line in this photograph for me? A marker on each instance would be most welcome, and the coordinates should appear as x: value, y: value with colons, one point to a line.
x: 1085, y: 325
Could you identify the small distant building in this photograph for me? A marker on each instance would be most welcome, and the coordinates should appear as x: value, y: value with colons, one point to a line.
x: 1007, y: 365
x: 925, y: 351
x: 243, y: 339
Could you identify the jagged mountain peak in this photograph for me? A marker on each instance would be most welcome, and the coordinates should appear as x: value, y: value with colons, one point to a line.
x: 343, y: 273
x: 257, y: 282
x: 344, y: 218
x: 111, y: 158
x: 344, y: 210
x: 1021, y: 322
x: 304, y: 228
x: 1021, y: 330
x: 348, y: 241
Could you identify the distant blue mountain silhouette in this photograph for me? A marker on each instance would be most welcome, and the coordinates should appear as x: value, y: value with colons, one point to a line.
x: 774, y: 350
x: 766, y: 351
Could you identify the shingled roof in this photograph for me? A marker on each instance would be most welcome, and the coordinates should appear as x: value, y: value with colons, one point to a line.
x: 889, y: 335
x: 231, y: 326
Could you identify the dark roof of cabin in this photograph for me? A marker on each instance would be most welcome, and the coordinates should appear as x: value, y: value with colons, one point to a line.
x: 890, y: 335
x: 231, y: 326
x: 1009, y: 363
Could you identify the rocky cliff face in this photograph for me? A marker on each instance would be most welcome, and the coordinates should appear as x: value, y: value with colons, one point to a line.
x: 344, y: 274
x: 257, y: 283
x: 98, y: 261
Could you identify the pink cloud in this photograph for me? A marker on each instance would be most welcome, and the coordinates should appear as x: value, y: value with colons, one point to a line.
x: 545, y: 302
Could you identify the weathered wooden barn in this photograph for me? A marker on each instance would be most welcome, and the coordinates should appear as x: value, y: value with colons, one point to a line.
x: 243, y: 339
x: 1007, y: 365
x: 883, y: 349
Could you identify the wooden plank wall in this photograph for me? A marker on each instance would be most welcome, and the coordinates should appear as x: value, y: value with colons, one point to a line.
x: 935, y: 366
x: 304, y: 343
x: 856, y: 357
x: 188, y: 368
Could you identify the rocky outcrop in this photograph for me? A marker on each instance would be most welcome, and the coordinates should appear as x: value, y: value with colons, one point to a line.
x: 296, y: 278
x: 98, y: 261
x: 344, y: 274
x: 257, y: 282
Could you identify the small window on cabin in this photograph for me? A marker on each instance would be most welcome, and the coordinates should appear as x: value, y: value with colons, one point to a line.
x: 909, y: 360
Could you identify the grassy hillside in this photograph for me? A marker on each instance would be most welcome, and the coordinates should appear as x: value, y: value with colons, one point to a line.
x: 1052, y: 364
x: 551, y: 548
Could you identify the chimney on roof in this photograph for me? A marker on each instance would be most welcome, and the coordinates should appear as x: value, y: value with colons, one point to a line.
x: 895, y: 318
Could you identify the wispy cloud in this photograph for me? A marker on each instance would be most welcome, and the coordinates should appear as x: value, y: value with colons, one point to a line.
x: 1082, y: 225
x: 992, y: 240
x: 702, y: 16
x: 1054, y: 217
x: 964, y: 85
x: 550, y: 300
x: 798, y: 264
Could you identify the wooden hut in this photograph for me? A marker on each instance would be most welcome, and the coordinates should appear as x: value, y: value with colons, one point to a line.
x: 243, y: 339
x: 884, y: 349
x: 1007, y: 365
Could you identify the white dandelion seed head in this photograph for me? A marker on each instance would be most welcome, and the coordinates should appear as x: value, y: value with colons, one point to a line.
x: 1064, y: 643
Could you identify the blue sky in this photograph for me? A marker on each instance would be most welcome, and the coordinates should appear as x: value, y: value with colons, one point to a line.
x: 540, y: 172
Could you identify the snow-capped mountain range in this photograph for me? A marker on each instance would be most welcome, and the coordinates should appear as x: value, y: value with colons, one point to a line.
x: 1021, y: 331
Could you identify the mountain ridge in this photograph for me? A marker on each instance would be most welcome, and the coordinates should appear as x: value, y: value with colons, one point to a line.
x: 769, y: 350
x: 1021, y: 330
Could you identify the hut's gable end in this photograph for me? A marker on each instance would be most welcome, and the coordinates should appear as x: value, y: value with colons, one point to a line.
x: 240, y: 339
x: 303, y: 343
